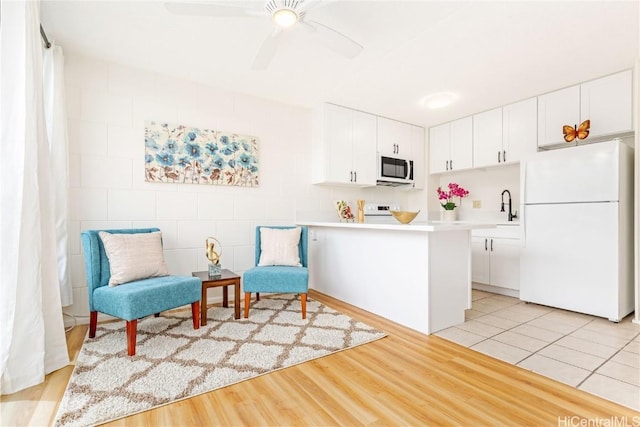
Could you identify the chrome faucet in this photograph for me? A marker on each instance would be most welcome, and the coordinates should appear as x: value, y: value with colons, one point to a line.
x: 511, y: 215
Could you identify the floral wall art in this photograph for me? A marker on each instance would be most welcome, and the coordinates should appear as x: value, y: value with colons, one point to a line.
x: 180, y: 154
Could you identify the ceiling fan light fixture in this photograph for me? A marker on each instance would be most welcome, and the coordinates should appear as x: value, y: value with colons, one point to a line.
x: 439, y: 100
x: 284, y: 17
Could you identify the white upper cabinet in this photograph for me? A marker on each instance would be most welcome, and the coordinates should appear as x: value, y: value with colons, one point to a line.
x: 418, y: 156
x: 404, y: 141
x: 514, y: 132
x: 487, y: 138
x: 555, y: 110
x: 439, y: 148
x: 393, y: 138
x: 461, y: 144
x: 519, y: 130
x: 344, y: 147
x: 364, y: 153
x: 606, y: 102
x: 505, y: 135
x: 450, y: 146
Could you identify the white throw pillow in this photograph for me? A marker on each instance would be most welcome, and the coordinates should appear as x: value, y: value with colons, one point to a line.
x: 279, y: 246
x: 134, y: 256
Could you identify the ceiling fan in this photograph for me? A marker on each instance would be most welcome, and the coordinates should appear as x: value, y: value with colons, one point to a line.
x: 285, y: 14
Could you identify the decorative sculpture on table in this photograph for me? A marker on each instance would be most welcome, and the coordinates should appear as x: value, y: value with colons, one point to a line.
x: 213, y: 256
x: 344, y: 210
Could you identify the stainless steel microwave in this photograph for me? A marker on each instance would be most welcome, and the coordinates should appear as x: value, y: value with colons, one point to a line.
x: 394, y: 172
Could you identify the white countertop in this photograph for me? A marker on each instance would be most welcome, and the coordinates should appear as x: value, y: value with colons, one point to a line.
x: 414, y: 226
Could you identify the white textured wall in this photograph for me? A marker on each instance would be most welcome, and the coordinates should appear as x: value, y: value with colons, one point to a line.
x: 107, y: 107
x: 636, y: 126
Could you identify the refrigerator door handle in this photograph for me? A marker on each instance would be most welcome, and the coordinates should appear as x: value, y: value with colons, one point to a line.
x: 523, y: 201
x: 523, y: 226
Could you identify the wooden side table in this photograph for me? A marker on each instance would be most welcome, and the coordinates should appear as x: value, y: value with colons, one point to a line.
x: 227, y: 278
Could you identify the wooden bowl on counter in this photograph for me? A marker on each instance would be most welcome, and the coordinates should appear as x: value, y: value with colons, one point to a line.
x: 404, y: 217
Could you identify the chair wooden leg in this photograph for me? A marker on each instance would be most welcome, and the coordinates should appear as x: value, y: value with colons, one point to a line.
x: 132, y: 326
x: 247, y: 301
x: 195, y: 313
x: 93, y: 323
x: 303, y: 300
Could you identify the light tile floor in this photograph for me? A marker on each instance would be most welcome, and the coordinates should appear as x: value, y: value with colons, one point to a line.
x: 586, y: 352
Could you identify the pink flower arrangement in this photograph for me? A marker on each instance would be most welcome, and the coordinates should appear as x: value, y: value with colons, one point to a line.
x: 454, y: 191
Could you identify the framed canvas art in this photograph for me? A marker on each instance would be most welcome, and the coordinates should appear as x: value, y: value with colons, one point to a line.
x: 181, y: 154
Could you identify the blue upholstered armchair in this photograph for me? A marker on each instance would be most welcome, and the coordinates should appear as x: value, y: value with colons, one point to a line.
x: 278, y: 278
x: 137, y: 299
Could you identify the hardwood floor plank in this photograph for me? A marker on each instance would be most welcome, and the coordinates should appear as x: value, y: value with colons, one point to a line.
x: 406, y: 378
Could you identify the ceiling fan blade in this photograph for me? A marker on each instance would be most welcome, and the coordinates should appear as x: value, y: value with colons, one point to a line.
x: 217, y: 9
x: 334, y: 40
x: 307, y: 5
x: 267, y: 50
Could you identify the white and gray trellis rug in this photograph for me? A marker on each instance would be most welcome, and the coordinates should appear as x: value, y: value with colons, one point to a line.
x: 174, y: 362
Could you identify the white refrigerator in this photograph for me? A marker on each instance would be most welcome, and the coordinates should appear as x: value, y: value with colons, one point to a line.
x: 577, y: 214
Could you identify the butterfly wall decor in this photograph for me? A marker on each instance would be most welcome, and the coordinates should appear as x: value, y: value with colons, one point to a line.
x: 580, y: 132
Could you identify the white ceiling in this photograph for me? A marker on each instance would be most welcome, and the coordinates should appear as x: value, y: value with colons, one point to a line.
x: 489, y: 53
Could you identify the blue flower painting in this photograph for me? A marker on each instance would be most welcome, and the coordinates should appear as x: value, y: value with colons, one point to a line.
x: 176, y: 153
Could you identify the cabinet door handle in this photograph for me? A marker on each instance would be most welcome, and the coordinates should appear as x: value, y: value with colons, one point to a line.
x: 498, y: 157
x: 351, y: 176
x: 446, y: 165
x: 355, y: 176
x: 485, y: 244
x: 504, y: 155
x: 491, y: 245
x: 397, y: 148
x: 450, y: 164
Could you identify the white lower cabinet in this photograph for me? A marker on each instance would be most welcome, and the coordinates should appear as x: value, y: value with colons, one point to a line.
x: 505, y: 263
x: 495, y: 258
x: 480, y: 261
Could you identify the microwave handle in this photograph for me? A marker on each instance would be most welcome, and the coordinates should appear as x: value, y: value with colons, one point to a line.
x: 410, y: 170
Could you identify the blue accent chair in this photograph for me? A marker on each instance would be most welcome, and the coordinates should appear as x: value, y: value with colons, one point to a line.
x: 277, y: 278
x: 134, y: 300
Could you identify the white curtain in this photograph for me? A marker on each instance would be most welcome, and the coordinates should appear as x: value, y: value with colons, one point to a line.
x: 56, y: 121
x: 31, y: 327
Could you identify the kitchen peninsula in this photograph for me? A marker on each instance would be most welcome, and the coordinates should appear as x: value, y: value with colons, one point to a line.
x: 418, y: 275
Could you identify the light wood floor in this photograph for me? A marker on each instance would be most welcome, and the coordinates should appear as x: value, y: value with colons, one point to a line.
x: 404, y: 379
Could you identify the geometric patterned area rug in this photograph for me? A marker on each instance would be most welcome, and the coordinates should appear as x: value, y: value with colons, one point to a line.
x: 174, y: 362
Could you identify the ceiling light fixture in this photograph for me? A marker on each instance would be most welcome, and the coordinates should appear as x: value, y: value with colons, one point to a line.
x: 439, y: 100
x: 284, y: 17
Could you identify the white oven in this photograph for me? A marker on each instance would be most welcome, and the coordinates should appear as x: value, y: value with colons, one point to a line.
x: 378, y: 213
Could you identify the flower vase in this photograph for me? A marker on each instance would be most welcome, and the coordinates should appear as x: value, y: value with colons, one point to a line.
x: 449, y: 215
